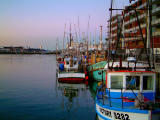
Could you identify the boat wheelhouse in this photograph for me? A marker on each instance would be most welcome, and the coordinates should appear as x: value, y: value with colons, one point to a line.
x: 128, y: 95
x: 71, y: 64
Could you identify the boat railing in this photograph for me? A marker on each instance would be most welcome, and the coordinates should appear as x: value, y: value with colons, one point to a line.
x: 105, y: 97
x: 121, y: 101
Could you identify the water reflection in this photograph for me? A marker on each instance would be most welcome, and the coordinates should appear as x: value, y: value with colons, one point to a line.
x: 71, y: 92
x: 93, y: 88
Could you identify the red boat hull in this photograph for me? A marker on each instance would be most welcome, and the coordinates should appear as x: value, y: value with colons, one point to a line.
x: 71, y: 80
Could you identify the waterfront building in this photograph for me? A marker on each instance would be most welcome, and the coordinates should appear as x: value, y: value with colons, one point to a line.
x: 115, y: 22
x: 131, y: 36
x: 12, y: 49
x: 131, y: 31
x: 21, y: 50
x: 4, y: 50
x: 156, y: 25
x: 148, y: 12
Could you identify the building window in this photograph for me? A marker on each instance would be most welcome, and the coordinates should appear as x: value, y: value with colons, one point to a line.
x: 116, y: 82
x: 133, y: 82
x: 147, y: 82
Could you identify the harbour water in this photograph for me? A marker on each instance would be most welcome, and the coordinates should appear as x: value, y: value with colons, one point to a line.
x: 29, y: 91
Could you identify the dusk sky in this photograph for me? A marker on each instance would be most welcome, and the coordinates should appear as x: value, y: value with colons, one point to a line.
x: 41, y: 22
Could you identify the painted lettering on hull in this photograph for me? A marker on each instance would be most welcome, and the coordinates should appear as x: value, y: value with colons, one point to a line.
x: 105, y: 112
x: 118, y: 115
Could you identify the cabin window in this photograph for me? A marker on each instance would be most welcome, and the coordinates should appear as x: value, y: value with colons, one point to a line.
x: 75, y: 62
x: 67, y: 62
x: 117, y: 82
x: 133, y: 82
x: 147, y: 82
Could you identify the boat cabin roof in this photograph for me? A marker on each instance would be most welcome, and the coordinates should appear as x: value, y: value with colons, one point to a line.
x: 130, y: 66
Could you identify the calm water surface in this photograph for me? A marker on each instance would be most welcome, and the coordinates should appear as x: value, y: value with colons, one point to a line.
x: 29, y: 91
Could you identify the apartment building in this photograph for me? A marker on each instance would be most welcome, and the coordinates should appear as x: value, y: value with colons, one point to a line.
x: 156, y: 25
x: 135, y: 28
x: 115, y: 23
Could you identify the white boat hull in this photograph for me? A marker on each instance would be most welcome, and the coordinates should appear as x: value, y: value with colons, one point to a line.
x: 71, y: 77
x: 111, y: 113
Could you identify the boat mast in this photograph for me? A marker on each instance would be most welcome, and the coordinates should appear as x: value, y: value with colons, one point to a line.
x: 70, y: 37
x: 88, y: 36
x: 56, y: 47
x: 110, y: 34
x: 77, y: 43
x: 101, y: 43
x: 88, y: 27
x: 79, y: 30
x: 64, y: 38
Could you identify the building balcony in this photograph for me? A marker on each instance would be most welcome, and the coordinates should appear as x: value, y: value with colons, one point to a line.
x: 114, y: 35
x: 134, y: 29
x: 135, y: 19
x: 155, y: 1
x: 134, y: 38
x: 139, y: 7
x: 112, y: 42
x: 114, y: 28
x: 157, y: 33
x: 113, y: 22
x: 156, y: 10
x: 156, y: 21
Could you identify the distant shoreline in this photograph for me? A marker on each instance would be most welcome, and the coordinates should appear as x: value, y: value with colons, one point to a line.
x: 26, y: 53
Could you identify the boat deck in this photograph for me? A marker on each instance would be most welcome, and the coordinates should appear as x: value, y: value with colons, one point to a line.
x: 125, y: 103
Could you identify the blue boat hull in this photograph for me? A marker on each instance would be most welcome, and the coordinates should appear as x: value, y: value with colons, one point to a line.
x: 115, y: 108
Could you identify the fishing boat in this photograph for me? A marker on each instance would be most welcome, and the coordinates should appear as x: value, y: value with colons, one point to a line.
x: 129, y: 92
x: 70, y: 70
x: 97, y: 62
